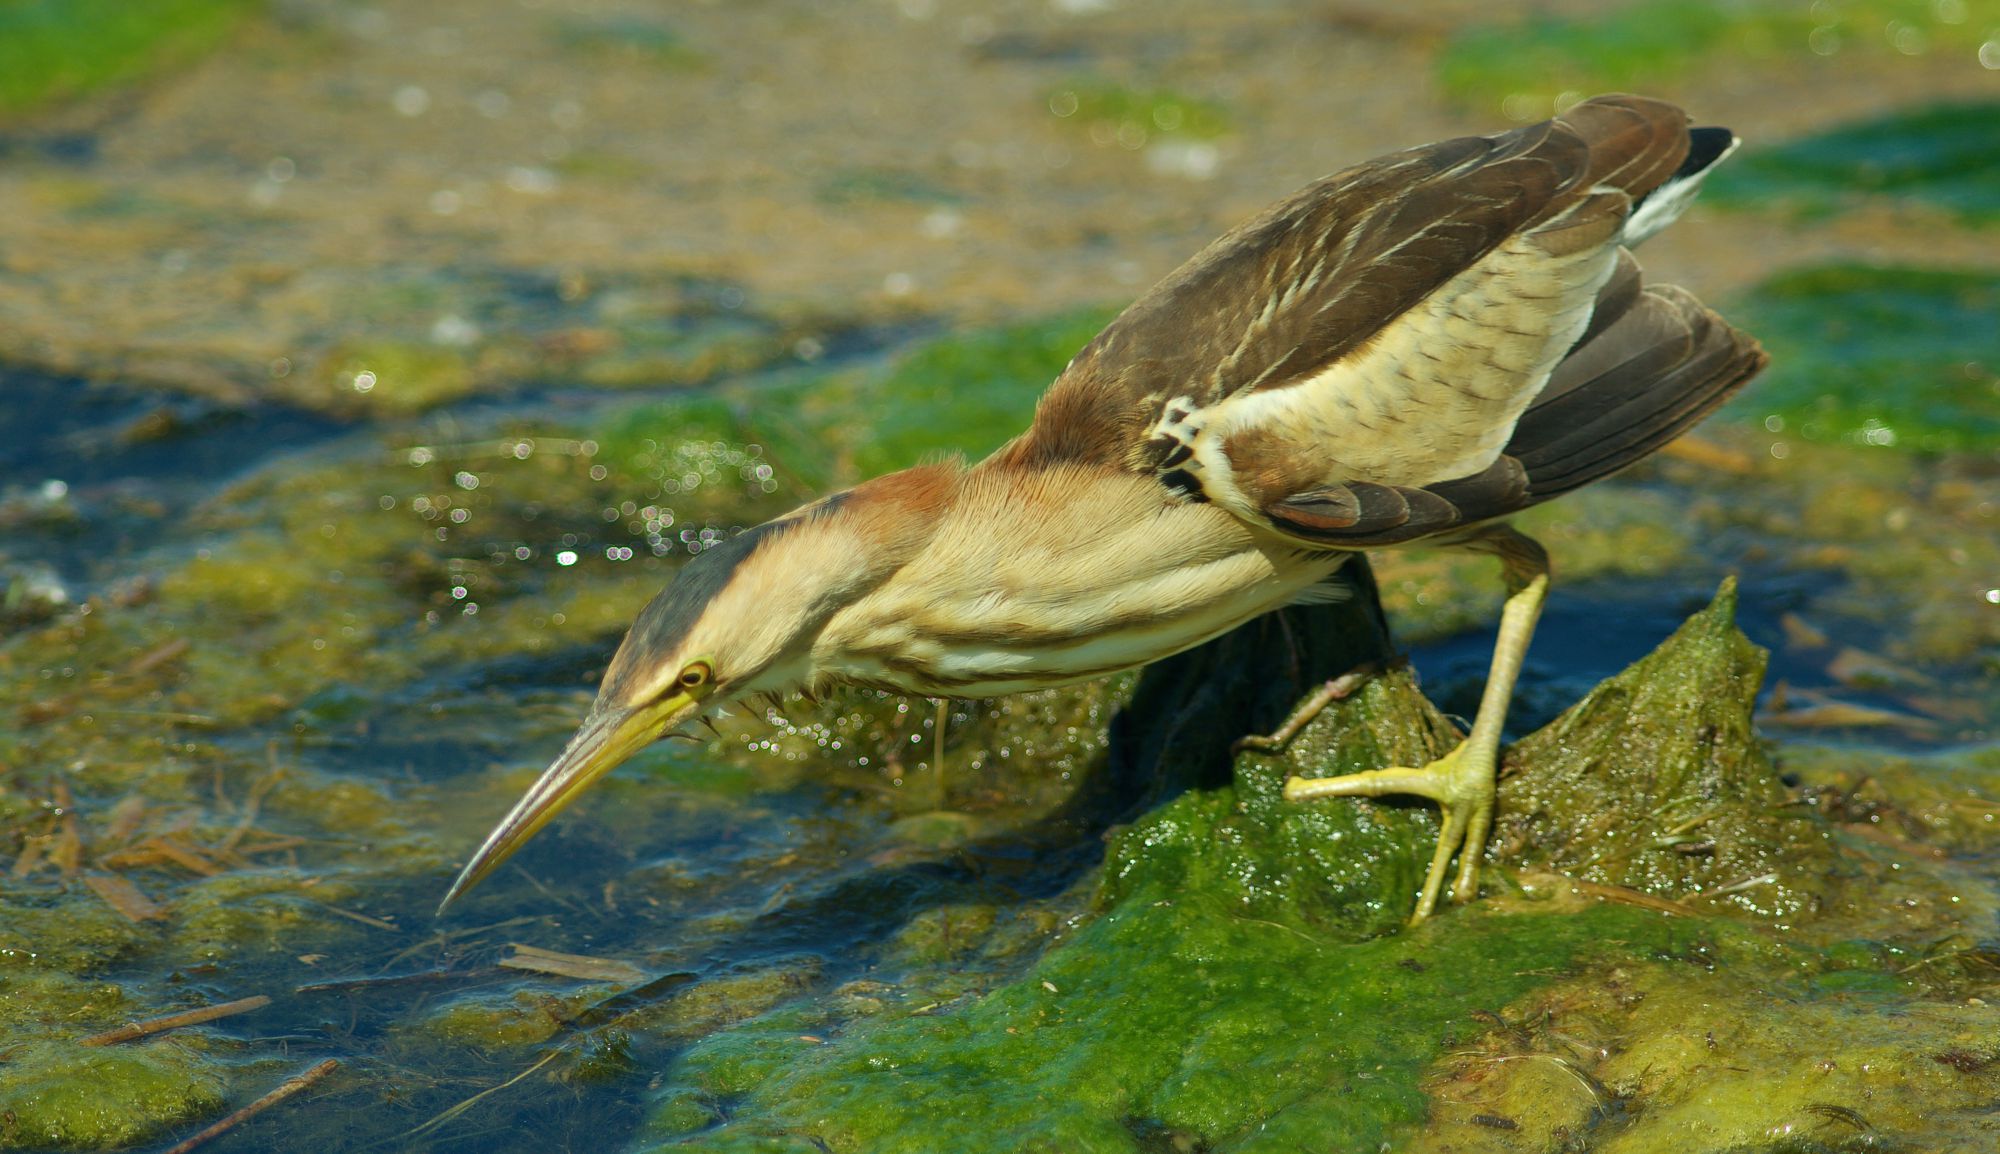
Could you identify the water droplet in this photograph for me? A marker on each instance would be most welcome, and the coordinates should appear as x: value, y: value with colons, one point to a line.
x: 411, y: 100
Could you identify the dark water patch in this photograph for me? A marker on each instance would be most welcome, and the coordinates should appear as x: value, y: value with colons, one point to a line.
x: 77, y: 148
x: 1946, y: 157
x: 1877, y: 356
x: 1592, y: 630
x: 90, y: 433
x: 91, y: 473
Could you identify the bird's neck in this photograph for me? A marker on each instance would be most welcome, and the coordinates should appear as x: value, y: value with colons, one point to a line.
x: 844, y: 547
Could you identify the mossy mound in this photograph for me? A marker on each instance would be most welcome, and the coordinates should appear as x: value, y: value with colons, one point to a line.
x: 1656, y: 782
x: 95, y: 1098
x: 1350, y: 868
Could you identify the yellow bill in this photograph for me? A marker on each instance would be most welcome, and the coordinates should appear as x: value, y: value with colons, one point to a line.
x: 606, y: 739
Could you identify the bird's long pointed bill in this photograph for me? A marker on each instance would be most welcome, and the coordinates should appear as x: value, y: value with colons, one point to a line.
x: 606, y: 739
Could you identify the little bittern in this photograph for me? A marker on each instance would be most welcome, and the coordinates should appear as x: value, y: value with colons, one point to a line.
x: 1409, y: 350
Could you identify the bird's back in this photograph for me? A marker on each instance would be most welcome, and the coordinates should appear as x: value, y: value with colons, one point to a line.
x: 1435, y: 338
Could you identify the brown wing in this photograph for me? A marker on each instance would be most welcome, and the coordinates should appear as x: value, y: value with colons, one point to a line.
x: 1654, y: 362
x: 1315, y: 278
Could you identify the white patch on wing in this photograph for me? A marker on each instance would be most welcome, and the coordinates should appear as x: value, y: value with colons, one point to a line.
x: 1664, y: 205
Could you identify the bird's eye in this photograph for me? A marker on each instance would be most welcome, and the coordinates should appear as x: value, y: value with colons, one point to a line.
x: 696, y: 675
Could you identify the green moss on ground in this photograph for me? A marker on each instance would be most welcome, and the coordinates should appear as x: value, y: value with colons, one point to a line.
x: 56, y: 50
x: 69, y: 930
x: 1175, y: 1018
x: 1944, y: 157
x: 965, y: 394
x: 58, y: 1094
x: 1346, y: 869
x: 1877, y: 356
x: 1129, y: 117
x: 1664, y: 1055
x: 1653, y: 43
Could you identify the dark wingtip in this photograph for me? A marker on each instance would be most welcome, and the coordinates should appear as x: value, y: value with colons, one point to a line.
x: 1705, y: 147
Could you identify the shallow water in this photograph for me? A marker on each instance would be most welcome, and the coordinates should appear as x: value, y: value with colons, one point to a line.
x: 364, y: 378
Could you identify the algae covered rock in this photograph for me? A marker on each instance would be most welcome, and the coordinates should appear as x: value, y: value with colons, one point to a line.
x: 93, y: 1098
x: 1656, y: 782
x: 1351, y: 867
x: 1666, y: 1056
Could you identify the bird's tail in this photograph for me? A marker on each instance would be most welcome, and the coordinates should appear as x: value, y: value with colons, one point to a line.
x: 1637, y: 380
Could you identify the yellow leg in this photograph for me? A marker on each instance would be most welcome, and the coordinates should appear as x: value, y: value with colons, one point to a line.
x: 937, y: 757
x: 1339, y: 689
x: 1462, y: 781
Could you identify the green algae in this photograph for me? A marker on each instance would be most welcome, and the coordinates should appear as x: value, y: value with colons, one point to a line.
x: 46, y: 1001
x: 1649, y: 1055
x: 388, y: 378
x: 1877, y: 356
x: 965, y: 394
x: 1115, y: 114
x: 502, y: 1020
x: 1174, y: 1015
x: 1656, y: 782
x: 1344, y: 869
x: 280, y: 912
x: 93, y: 1098
x: 57, y: 50
x: 46, y: 928
x: 1646, y: 45
x: 1945, y: 157
x: 1949, y: 800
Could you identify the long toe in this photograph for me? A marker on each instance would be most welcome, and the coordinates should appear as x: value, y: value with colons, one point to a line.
x: 1461, y: 782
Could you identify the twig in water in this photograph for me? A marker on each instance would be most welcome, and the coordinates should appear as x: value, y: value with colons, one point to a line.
x: 469, y: 1103
x: 338, y: 985
x: 120, y: 894
x: 540, y: 961
x: 195, y: 1017
x: 364, y: 919
x: 286, y: 1089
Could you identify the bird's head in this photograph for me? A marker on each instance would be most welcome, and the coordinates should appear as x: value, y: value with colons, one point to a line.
x: 739, y: 618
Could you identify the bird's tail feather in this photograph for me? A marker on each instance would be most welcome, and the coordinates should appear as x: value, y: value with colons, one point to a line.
x: 1639, y: 382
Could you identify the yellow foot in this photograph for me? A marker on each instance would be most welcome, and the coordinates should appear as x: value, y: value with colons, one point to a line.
x: 1461, y: 782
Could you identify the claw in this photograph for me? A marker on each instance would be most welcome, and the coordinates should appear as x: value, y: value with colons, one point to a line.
x: 1461, y: 782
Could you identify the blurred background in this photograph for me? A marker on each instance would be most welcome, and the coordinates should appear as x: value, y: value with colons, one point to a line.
x: 365, y: 366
